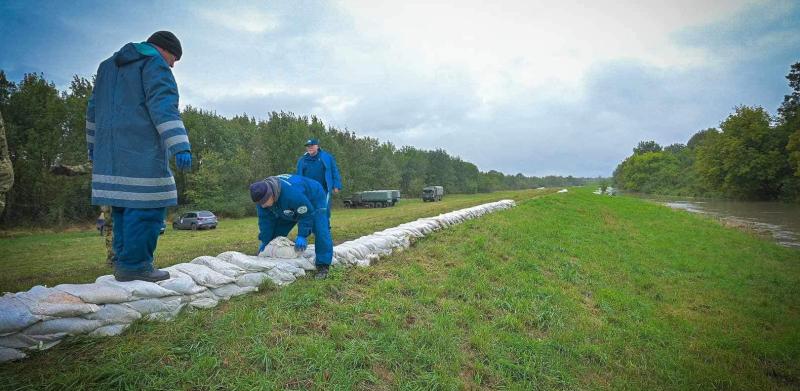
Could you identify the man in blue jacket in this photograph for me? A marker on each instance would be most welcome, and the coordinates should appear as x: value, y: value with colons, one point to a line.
x: 320, y: 166
x: 133, y: 129
x: 284, y: 201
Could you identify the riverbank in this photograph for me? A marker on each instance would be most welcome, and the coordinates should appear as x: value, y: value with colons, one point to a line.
x: 566, y: 291
x: 776, y: 220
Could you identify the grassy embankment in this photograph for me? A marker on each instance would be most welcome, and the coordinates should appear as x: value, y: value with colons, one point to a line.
x: 571, y: 291
x: 51, y: 258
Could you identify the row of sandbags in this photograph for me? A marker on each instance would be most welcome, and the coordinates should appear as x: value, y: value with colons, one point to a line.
x: 41, y: 317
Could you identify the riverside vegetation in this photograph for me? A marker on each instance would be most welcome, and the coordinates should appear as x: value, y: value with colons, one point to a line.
x: 566, y: 291
x: 752, y: 156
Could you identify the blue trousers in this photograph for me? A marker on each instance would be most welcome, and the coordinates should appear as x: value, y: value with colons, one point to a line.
x: 323, y: 242
x: 135, y: 237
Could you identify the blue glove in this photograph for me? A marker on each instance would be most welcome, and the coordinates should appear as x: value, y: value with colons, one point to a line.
x: 91, y: 154
x: 300, y: 244
x: 261, y: 247
x: 183, y: 160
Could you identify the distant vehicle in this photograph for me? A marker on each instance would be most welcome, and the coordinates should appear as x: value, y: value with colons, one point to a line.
x: 195, y: 220
x: 395, y: 196
x: 432, y: 193
x: 371, y: 199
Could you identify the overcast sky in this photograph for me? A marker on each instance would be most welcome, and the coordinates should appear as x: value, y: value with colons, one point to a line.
x: 557, y: 87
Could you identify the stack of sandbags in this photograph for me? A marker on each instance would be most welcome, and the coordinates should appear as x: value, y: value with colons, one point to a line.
x: 41, y: 317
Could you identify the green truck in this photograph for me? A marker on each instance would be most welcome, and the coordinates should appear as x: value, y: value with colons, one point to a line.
x: 372, y: 199
x: 432, y: 193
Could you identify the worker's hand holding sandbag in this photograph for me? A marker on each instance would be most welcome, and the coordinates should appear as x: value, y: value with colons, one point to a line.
x: 183, y: 160
x: 300, y: 244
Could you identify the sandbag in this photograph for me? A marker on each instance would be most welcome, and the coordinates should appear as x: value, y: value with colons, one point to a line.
x: 166, y: 316
x: 9, y: 354
x: 33, y: 342
x: 251, y: 264
x: 15, y: 315
x: 71, y: 326
x: 205, y: 299
x: 55, y: 303
x: 137, y: 289
x: 150, y: 306
x: 96, y: 293
x: 280, y: 247
x: 181, y: 283
x: 281, y: 277
x: 225, y: 292
x: 252, y: 279
x: 114, y: 313
x: 204, y: 275
x: 110, y: 330
x: 219, y: 266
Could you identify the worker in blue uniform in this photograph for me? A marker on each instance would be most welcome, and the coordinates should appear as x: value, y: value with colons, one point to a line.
x: 284, y: 201
x: 133, y: 129
x: 320, y: 165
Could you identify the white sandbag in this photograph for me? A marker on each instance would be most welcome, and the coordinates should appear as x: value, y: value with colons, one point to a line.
x: 301, y: 263
x: 166, y: 316
x: 96, y: 293
x: 250, y: 263
x: 14, y: 315
x: 181, y: 283
x: 114, y: 313
x: 51, y: 302
x: 252, y: 279
x: 8, y: 354
x: 219, y: 266
x: 137, y: 289
x: 150, y: 306
x: 23, y: 341
x: 204, y: 300
x: 204, y: 275
x: 71, y: 326
x: 280, y: 247
x: 225, y: 292
x: 110, y: 330
x: 281, y: 277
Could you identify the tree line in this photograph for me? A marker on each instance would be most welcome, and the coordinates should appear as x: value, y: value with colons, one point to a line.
x: 751, y: 155
x: 45, y: 126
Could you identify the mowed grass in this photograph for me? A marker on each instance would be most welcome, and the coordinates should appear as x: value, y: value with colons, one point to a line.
x: 566, y: 291
x: 51, y: 258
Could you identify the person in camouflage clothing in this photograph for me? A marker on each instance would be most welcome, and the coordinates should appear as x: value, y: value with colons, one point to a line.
x: 108, y: 232
x: 6, y: 169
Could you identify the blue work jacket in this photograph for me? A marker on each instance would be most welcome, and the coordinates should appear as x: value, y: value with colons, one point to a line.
x: 332, y: 178
x: 300, y: 198
x: 134, y: 127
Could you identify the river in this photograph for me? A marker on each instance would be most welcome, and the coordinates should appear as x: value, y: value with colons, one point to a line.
x: 779, y: 220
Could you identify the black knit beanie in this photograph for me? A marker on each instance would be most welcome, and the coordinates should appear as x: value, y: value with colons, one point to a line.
x: 167, y: 41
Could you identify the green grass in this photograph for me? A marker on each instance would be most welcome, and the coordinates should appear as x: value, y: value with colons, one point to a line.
x: 566, y: 291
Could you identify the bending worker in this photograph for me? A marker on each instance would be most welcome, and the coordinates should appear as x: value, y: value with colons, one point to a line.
x: 133, y: 128
x: 284, y: 201
x: 320, y: 166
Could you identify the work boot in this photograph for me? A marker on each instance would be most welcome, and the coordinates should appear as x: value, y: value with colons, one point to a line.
x: 322, y: 272
x: 152, y: 276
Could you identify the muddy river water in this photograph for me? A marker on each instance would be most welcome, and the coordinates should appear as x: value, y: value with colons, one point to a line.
x: 779, y: 220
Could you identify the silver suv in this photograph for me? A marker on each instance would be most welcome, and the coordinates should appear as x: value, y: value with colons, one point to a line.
x: 195, y: 220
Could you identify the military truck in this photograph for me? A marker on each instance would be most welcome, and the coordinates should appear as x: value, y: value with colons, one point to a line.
x: 369, y: 199
x: 432, y: 193
x: 395, y: 196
